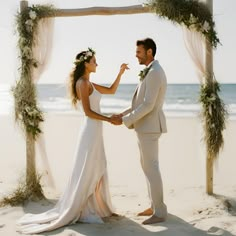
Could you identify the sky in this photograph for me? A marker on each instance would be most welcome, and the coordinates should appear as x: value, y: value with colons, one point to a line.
x: 114, y: 37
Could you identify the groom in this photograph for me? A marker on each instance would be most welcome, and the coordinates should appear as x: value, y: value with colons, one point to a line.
x: 147, y: 118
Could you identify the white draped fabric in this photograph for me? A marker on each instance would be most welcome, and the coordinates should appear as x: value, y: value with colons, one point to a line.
x: 43, y: 46
x: 194, y: 42
x: 42, y: 49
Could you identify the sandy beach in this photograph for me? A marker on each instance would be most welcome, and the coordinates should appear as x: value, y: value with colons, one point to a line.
x: 182, y: 161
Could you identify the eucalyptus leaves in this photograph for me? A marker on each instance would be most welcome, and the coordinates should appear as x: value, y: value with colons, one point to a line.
x: 26, y: 109
x: 214, y: 114
x: 191, y: 13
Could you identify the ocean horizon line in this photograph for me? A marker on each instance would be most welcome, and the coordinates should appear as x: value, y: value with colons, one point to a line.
x: 11, y: 84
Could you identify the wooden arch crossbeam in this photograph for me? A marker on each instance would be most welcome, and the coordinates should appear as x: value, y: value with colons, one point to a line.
x: 103, y: 11
x: 136, y: 9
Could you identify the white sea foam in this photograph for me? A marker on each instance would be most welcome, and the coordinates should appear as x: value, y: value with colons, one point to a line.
x: 53, y: 98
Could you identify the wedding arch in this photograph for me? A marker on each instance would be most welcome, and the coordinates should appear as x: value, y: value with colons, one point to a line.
x: 34, y: 52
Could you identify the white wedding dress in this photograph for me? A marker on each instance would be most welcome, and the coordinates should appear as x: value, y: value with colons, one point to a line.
x: 86, y: 197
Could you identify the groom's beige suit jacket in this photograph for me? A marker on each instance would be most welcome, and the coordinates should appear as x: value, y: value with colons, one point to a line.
x: 145, y: 114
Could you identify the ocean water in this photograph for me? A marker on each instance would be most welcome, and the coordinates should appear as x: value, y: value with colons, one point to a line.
x: 181, y: 99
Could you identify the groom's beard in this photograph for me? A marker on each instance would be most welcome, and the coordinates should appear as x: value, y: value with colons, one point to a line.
x: 142, y: 61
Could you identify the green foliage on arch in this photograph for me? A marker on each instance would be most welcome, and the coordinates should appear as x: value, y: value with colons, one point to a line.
x: 214, y: 115
x: 191, y: 13
x: 27, y: 113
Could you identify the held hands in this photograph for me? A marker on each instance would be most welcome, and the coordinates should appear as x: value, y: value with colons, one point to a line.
x: 123, y: 67
x: 116, y: 119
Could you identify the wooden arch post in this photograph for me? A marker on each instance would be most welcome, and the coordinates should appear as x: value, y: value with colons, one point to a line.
x: 30, y: 143
x: 209, y: 77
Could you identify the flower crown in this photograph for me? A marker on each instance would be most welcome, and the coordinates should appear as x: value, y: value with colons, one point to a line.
x: 89, y: 53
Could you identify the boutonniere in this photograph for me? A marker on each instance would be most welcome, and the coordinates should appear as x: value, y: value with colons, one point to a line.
x: 143, y: 73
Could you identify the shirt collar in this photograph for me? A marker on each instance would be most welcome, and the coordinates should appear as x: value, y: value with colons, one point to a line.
x: 150, y: 64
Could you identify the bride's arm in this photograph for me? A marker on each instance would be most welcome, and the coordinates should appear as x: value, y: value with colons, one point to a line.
x: 82, y: 88
x: 112, y: 89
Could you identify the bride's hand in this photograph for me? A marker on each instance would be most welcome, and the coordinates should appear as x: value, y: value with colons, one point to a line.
x: 123, y: 67
x: 116, y: 119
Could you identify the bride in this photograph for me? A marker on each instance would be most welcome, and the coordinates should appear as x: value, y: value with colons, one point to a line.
x: 86, y: 197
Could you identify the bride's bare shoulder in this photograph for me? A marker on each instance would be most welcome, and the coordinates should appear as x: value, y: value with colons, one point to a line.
x: 83, y: 86
x: 83, y: 83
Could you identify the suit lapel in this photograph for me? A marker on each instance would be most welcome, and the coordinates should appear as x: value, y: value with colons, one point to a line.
x: 138, y: 86
x: 135, y: 93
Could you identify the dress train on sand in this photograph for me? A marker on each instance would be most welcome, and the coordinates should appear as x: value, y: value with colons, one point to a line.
x: 86, y: 197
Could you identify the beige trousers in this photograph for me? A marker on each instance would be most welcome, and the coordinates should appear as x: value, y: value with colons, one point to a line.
x: 148, y: 146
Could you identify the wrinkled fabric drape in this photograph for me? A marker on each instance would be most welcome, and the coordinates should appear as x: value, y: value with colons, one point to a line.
x: 42, y: 50
x: 194, y: 43
x: 42, y: 47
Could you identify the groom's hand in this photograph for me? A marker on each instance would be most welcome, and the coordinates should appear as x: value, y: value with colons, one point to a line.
x: 116, y: 120
x: 120, y: 115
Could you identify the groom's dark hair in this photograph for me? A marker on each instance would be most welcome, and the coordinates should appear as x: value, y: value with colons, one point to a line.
x: 148, y: 43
